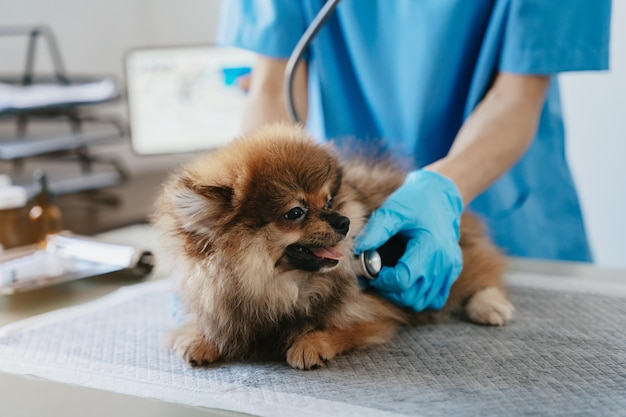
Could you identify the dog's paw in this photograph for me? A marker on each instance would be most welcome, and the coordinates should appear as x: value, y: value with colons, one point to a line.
x: 311, y: 351
x: 193, y: 347
x: 490, y: 306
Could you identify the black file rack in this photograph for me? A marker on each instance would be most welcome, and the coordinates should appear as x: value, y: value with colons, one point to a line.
x: 52, y: 121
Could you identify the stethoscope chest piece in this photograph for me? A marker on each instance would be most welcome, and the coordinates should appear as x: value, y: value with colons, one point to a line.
x: 369, y: 264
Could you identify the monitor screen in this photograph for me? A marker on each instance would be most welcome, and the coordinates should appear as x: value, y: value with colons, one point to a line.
x: 185, y: 98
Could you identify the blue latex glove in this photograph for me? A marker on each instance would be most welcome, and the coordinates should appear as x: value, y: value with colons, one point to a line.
x: 426, y: 211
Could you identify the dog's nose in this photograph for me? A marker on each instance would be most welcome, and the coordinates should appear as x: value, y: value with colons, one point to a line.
x: 341, y: 224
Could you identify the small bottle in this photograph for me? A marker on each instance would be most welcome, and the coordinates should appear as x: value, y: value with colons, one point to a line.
x: 44, y: 214
x: 15, y: 227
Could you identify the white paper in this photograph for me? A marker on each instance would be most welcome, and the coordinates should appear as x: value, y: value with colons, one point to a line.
x: 14, y: 97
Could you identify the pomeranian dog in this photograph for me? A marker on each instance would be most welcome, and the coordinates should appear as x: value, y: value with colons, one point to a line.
x: 260, y: 235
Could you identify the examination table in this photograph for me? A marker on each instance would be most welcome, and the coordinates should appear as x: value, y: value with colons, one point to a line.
x: 564, y: 353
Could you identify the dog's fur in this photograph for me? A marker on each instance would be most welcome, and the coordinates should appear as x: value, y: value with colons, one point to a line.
x: 256, y: 230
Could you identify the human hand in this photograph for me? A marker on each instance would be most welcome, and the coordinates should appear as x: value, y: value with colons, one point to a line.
x: 425, y: 211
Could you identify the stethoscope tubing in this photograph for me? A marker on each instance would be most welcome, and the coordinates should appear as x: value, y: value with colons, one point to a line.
x: 303, y: 43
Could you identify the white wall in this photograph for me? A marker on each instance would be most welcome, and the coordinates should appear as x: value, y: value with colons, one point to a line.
x: 94, y: 35
x: 595, y: 112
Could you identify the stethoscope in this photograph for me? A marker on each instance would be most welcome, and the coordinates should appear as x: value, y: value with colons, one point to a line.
x: 303, y: 43
x: 368, y: 263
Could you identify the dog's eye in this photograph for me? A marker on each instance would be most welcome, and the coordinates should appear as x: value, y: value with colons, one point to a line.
x: 329, y: 204
x: 294, y: 214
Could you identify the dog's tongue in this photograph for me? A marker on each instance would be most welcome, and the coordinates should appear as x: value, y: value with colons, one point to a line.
x: 327, y: 253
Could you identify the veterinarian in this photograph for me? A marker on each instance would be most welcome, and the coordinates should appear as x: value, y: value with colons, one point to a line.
x: 465, y: 89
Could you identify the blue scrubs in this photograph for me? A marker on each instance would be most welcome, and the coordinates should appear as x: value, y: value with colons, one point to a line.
x: 410, y: 72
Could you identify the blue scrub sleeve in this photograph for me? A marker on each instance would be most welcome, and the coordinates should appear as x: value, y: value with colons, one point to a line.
x: 267, y: 27
x: 547, y: 36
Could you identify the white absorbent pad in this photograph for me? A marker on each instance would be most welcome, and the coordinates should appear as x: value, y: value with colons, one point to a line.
x: 564, y: 354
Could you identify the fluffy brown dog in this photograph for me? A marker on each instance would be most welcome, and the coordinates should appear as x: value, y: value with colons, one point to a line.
x: 260, y: 235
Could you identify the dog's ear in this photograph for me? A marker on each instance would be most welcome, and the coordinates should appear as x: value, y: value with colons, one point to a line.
x: 198, y: 206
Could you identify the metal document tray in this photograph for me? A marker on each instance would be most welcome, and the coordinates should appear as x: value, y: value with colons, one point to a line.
x: 66, y: 257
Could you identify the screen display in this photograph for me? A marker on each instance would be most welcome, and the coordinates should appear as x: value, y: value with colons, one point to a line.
x: 185, y: 99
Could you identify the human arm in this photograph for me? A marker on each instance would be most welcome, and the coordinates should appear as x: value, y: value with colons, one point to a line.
x: 491, y: 140
x: 495, y: 135
x: 266, y: 97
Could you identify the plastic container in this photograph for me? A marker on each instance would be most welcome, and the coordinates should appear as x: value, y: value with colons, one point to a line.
x: 5, y: 180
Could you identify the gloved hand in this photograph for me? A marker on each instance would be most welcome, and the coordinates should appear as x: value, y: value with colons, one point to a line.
x: 426, y: 212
